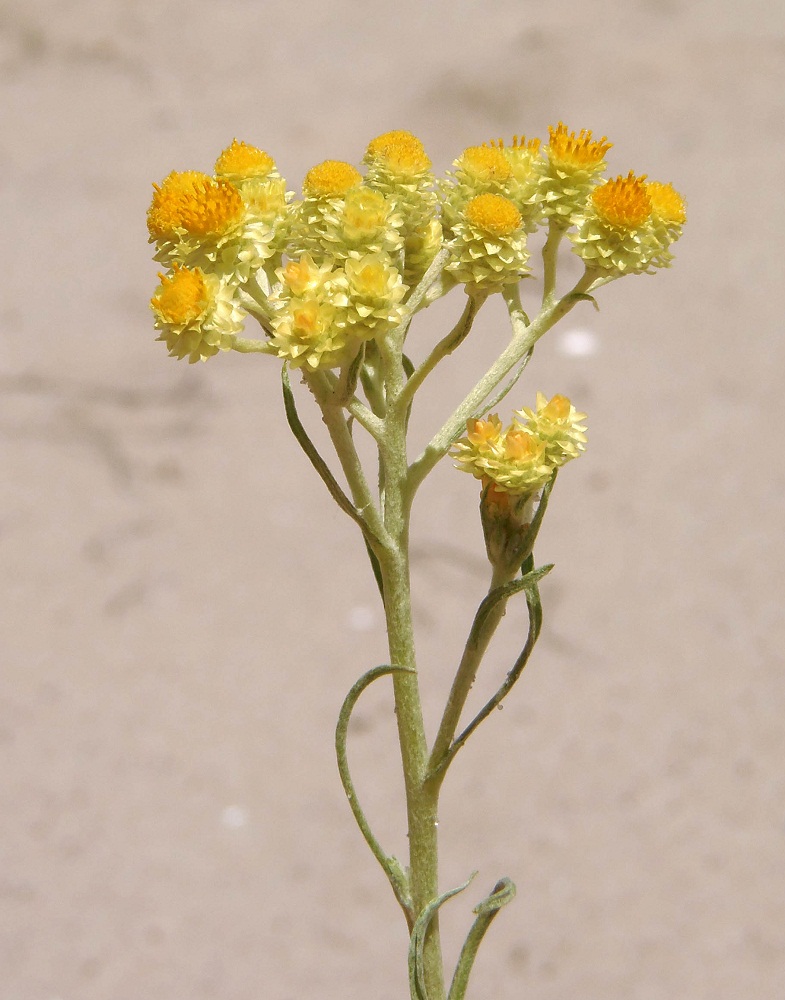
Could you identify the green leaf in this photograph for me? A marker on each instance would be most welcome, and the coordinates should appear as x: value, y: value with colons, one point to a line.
x: 581, y: 296
x: 392, y: 867
x: 417, y: 940
x: 501, y: 894
x: 528, y: 583
x: 316, y: 459
x: 354, y: 373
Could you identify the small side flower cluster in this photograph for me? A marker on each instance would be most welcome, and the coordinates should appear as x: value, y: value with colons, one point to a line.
x: 514, y: 463
x: 367, y: 240
x: 521, y: 458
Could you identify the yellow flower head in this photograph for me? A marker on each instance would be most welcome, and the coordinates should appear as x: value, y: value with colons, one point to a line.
x: 308, y: 319
x: 568, y: 151
x: 303, y: 275
x: 240, y: 161
x: 484, y: 434
x: 400, y: 152
x: 484, y: 164
x: 182, y: 296
x: 488, y: 245
x: 558, y: 425
x: 365, y: 212
x: 330, y: 179
x: 194, y: 203
x: 513, y: 460
x: 369, y: 293
x: 196, y: 313
x: 666, y: 203
x: 522, y: 447
x: 493, y: 214
x: 369, y: 276
x: 624, y: 202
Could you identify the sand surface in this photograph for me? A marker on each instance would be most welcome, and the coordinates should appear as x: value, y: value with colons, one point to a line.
x: 183, y: 608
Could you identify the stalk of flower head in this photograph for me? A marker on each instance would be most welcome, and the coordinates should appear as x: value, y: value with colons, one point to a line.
x: 335, y: 280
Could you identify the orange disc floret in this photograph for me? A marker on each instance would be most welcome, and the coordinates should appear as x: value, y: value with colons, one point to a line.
x: 182, y: 296
x: 330, y: 179
x: 193, y: 202
x: 667, y: 204
x: 485, y: 163
x: 399, y: 151
x: 579, y: 151
x: 519, y: 144
x: 623, y: 202
x: 241, y: 160
x: 493, y: 214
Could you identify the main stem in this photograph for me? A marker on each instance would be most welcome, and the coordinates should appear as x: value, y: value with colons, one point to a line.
x: 421, y: 797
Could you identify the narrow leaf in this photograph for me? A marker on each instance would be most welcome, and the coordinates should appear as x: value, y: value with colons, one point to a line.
x: 417, y: 940
x: 316, y: 459
x: 502, y: 893
x: 392, y: 867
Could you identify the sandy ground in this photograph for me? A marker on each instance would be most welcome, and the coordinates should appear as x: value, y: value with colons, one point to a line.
x: 184, y: 609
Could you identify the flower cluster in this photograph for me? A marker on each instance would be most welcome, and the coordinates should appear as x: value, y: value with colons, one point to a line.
x: 235, y: 241
x: 521, y: 458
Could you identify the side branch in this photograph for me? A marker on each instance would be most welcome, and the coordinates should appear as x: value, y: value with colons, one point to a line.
x: 486, y: 621
x: 535, y: 626
x: 525, y: 336
x: 445, y: 347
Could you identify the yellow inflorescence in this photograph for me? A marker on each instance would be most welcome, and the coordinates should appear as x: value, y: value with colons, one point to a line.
x: 182, y: 297
x: 330, y: 179
x: 493, y: 214
x: 193, y: 202
x: 579, y: 151
x: 623, y: 202
x: 242, y: 161
x: 667, y: 204
x: 485, y: 163
x: 401, y: 152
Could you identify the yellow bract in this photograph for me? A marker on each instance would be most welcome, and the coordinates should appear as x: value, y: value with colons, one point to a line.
x: 485, y: 163
x: 581, y: 151
x: 667, y: 204
x: 401, y: 152
x: 493, y: 214
x: 182, y: 297
x: 241, y: 161
x: 330, y: 179
x: 623, y: 202
x: 193, y: 202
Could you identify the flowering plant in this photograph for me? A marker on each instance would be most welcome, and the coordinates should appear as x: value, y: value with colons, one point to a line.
x: 334, y: 281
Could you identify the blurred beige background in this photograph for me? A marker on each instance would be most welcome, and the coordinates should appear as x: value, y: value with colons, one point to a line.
x: 184, y: 608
